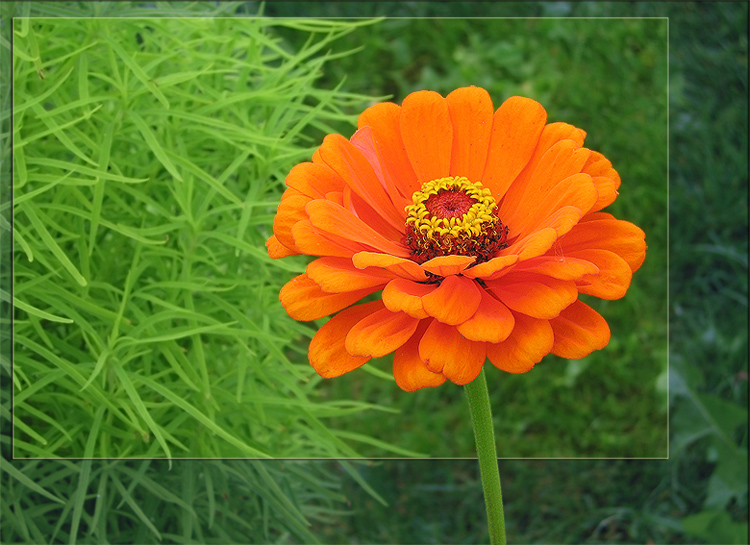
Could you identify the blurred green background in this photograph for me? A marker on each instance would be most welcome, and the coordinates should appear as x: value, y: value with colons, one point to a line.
x: 699, y: 495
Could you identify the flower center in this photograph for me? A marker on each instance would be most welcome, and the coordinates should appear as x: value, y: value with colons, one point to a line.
x: 453, y: 216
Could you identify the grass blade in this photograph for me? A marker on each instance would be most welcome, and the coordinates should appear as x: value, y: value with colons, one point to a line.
x: 52, y: 245
x: 147, y: 82
x: 203, y: 419
x: 26, y: 481
x: 154, y: 145
x: 140, y: 406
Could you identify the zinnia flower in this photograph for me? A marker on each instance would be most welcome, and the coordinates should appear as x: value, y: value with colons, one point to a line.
x: 480, y: 227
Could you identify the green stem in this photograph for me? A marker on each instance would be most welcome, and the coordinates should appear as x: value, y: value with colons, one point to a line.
x: 481, y: 419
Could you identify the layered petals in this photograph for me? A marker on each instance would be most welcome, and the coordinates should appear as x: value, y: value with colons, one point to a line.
x: 492, y: 268
x: 563, y: 159
x: 328, y: 355
x: 397, y: 265
x: 291, y: 210
x: 444, y: 350
x: 480, y: 226
x: 364, y: 141
x: 384, y: 122
x: 448, y: 265
x: 336, y: 275
x: 535, y: 295
x: 605, y: 177
x: 276, y: 250
x: 613, y: 278
x: 314, y: 180
x: 332, y: 218
x: 579, y: 330
x: 516, y: 127
x: 304, y: 300
x: 602, y: 231
x: 402, y: 295
x: 531, y: 340
x: 577, y: 191
x: 410, y: 372
x: 532, y: 245
x: 380, y: 333
x: 560, y: 267
x: 349, y: 163
x: 312, y: 241
x: 454, y: 301
x: 492, y: 322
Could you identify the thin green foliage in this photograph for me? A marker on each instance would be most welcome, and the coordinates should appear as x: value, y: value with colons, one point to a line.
x: 149, y: 161
x: 147, y: 502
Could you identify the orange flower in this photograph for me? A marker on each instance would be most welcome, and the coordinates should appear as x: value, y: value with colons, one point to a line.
x: 480, y: 227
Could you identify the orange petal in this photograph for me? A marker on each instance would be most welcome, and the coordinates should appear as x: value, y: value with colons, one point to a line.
x: 560, y: 267
x: 529, y: 342
x: 471, y: 116
x: 360, y: 208
x: 337, y: 220
x: 337, y: 275
x: 489, y: 269
x: 532, y: 245
x: 444, y: 350
x: 492, y: 322
x: 291, y: 210
x: 554, y: 132
x: 311, y: 241
x: 447, y: 265
x: 604, y: 232
x: 364, y: 141
x: 336, y: 197
x: 454, y: 301
x: 516, y: 127
x: 428, y: 134
x: 562, y: 160
x: 383, y: 120
x: 402, y: 295
x: 328, y: 355
x: 408, y: 369
x: 349, y: 163
x: 535, y: 295
x: 314, y: 180
x: 380, y: 333
x: 561, y: 221
x: 605, y: 177
x: 551, y: 135
x: 405, y: 268
x: 579, y: 330
x: 304, y: 300
x: 576, y: 191
x: 614, y: 276
x: 598, y: 165
x: 605, y: 187
x: 277, y: 250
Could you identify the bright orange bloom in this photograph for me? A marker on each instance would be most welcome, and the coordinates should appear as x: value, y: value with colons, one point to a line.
x: 480, y: 227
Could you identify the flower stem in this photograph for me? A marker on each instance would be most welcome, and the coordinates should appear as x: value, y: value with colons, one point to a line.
x: 481, y: 419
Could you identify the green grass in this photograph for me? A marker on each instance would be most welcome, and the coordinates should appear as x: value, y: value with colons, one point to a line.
x: 145, y: 501
x: 149, y: 156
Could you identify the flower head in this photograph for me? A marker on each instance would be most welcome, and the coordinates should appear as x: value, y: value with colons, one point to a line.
x: 480, y: 227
